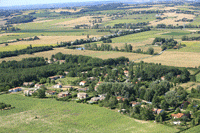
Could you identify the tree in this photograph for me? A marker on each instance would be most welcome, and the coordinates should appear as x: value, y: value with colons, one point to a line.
x: 171, y: 98
x: 41, y: 93
x: 150, y: 51
x: 164, y: 105
x: 156, y: 101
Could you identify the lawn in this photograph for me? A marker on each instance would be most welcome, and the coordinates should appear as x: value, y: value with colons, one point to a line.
x: 195, y: 129
x: 49, y: 115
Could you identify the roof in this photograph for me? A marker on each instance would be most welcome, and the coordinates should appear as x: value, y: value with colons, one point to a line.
x: 82, y: 94
x: 119, y: 98
x: 179, y: 115
x: 83, y: 81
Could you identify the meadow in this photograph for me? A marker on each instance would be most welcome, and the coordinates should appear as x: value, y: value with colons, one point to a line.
x: 198, y: 77
x: 49, y: 115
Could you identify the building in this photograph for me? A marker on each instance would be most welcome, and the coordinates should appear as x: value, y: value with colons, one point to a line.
x: 157, y: 111
x: 57, y: 86
x: 95, y: 99
x: 82, y: 89
x: 162, y: 78
x: 179, y: 115
x: 63, y: 94
x: 126, y: 73
x: 28, y: 83
x: 17, y: 89
x: 50, y: 92
x: 67, y: 87
x: 134, y: 103
x: 28, y: 92
x: 82, y: 83
x: 82, y: 95
x: 38, y: 86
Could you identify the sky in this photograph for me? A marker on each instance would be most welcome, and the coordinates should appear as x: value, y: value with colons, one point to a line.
x: 31, y: 2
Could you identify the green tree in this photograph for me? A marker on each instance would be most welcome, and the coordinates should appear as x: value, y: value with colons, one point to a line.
x: 150, y: 51
x: 171, y: 98
x: 41, y: 93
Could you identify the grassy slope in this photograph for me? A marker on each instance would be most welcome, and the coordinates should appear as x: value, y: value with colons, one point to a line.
x: 193, y: 130
x: 54, y: 116
x: 198, y: 77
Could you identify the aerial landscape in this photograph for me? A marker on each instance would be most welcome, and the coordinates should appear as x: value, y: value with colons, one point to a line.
x: 121, y: 66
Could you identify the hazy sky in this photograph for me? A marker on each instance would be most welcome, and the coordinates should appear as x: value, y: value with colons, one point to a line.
x: 30, y: 2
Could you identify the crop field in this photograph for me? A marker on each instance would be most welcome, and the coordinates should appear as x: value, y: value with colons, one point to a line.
x: 50, y: 40
x: 171, y: 18
x: 136, y: 18
x: 191, y: 46
x: 49, y: 115
x: 179, y: 59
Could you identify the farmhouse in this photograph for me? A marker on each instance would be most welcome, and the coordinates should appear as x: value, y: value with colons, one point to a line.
x: 82, y: 83
x: 63, y: 94
x: 17, y: 89
x: 82, y: 95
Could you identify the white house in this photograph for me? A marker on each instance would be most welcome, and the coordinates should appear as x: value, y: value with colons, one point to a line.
x: 82, y: 83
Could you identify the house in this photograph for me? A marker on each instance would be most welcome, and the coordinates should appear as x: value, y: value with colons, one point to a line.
x: 119, y: 98
x: 91, y: 78
x: 102, y: 95
x: 49, y: 61
x: 17, y: 89
x: 67, y: 87
x: 57, y: 86
x: 61, y: 61
x: 134, y: 103
x: 157, y: 111
x: 82, y: 83
x: 28, y: 92
x: 53, y: 77
x: 39, y: 86
x: 179, y: 115
x: 28, y: 83
x: 66, y: 72
x: 50, y: 92
x: 126, y: 73
x: 176, y: 122
x: 63, y: 94
x: 82, y: 89
x: 54, y: 59
x: 95, y: 99
x: 82, y: 95
x: 162, y: 78
x: 61, y: 76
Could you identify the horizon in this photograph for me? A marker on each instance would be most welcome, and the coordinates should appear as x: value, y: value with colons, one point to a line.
x: 11, y: 3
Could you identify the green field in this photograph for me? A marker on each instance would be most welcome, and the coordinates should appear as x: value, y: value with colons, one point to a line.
x: 177, y: 33
x: 195, y: 129
x: 56, y: 116
x: 198, y: 77
x: 191, y: 46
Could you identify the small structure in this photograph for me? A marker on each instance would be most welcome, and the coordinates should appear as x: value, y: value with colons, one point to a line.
x: 17, y: 89
x: 66, y: 72
x: 53, y: 77
x: 50, y: 92
x: 63, y: 94
x: 82, y: 83
x: 176, y: 122
x: 134, y: 103
x: 82, y: 95
x: 119, y: 98
x: 67, y: 88
x: 61, y: 61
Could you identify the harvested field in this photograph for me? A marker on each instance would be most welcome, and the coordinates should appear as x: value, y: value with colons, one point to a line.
x: 171, y: 17
x: 98, y: 54
x: 179, y: 59
x: 51, y: 40
x: 82, y: 20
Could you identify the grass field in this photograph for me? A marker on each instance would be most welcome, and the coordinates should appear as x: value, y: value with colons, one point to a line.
x: 177, y: 33
x: 195, y: 129
x: 55, y: 116
x: 179, y: 59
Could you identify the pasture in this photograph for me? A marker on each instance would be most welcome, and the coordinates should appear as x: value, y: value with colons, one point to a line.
x: 179, y: 59
x: 49, y: 115
x: 198, y: 77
